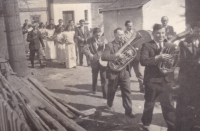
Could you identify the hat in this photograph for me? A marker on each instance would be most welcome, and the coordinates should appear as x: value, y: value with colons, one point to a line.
x: 35, y: 25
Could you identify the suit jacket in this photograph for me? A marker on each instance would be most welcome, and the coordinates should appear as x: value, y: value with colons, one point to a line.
x: 147, y: 58
x: 80, y: 34
x: 169, y: 31
x: 189, y: 72
x: 109, y: 55
x: 91, y: 49
x: 51, y: 26
x: 35, y: 40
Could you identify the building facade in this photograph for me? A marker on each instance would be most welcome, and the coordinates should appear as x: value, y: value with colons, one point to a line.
x: 33, y: 10
x: 89, y: 10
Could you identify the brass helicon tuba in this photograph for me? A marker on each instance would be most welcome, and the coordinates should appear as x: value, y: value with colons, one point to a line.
x: 128, y: 51
x: 169, y: 65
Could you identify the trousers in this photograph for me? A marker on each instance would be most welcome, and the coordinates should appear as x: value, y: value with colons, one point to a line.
x: 152, y: 92
x: 136, y: 68
x: 122, y: 80
x: 80, y: 52
x: 104, y: 81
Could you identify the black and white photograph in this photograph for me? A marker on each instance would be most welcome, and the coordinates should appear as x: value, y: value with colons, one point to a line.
x: 99, y: 65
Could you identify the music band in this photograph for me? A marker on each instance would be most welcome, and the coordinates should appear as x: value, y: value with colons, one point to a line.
x: 158, y: 79
x: 158, y: 55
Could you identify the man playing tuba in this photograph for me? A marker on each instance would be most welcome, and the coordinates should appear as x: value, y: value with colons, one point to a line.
x: 118, y: 78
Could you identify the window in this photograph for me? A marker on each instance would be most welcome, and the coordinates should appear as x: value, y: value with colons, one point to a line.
x: 86, y: 15
x: 35, y: 18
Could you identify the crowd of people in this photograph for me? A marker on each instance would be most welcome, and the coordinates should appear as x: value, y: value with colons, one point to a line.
x: 59, y: 42
x: 78, y: 42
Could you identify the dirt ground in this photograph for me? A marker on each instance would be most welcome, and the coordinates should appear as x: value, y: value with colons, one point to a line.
x: 74, y: 85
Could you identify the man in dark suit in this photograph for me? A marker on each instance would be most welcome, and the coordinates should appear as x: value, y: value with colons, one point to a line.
x: 118, y: 78
x: 169, y: 30
x: 35, y: 39
x: 156, y: 83
x: 60, y: 27
x: 82, y: 34
x: 93, y: 50
x: 188, y: 108
x: 129, y: 32
x: 51, y: 25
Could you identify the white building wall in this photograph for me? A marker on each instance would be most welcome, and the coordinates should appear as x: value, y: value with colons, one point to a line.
x: 57, y: 11
x: 27, y: 15
x: 32, y: 3
x: 155, y: 9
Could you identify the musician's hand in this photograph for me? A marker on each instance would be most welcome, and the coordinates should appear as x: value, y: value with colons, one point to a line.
x: 129, y: 52
x: 120, y: 55
x: 163, y: 57
x: 91, y: 56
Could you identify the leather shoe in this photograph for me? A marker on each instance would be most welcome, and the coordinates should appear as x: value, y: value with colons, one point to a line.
x: 130, y: 115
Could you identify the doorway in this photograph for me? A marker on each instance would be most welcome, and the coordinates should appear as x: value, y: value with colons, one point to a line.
x: 67, y: 16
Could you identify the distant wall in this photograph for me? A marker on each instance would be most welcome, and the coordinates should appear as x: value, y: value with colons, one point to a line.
x: 57, y: 11
x: 27, y: 15
x: 174, y: 9
x: 117, y: 18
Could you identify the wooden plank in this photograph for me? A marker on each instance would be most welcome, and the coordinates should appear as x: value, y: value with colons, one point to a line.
x: 40, y: 87
x: 64, y: 121
x: 31, y: 115
x: 52, y: 123
x: 2, y: 119
x: 72, y: 108
x: 50, y: 93
x: 44, y: 124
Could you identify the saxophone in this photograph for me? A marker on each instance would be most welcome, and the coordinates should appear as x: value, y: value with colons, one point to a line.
x: 172, y: 49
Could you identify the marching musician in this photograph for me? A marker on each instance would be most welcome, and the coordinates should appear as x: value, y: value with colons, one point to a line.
x: 93, y: 50
x: 156, y: 83
x: 118, y: 78
x: 169, y: 30
x: 35, y: 39
x: 136, y: 62
x: 188, y: 109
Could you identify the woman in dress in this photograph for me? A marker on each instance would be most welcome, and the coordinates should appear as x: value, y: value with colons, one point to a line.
x: 50, y: 46
x: 60, y: 46
x: 42, y: 29
x: 70, y: 47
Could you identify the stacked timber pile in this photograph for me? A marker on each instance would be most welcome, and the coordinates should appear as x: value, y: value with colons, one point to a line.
x: 26, y: 105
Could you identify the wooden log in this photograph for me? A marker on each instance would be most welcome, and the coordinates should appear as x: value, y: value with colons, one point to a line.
x: 52, y: 123
x: 32, y: 116
x: 2, y: 119
x: 7, y: 87
x: 74, y: 110
x: 46, y: 93
x: 42, y: 86
x: 62, y: 101
x: 64, y: 121
x: 32, y: 87
x: 44, y: 124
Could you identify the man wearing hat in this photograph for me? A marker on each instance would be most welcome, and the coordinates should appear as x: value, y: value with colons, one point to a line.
x: 35, y: 39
